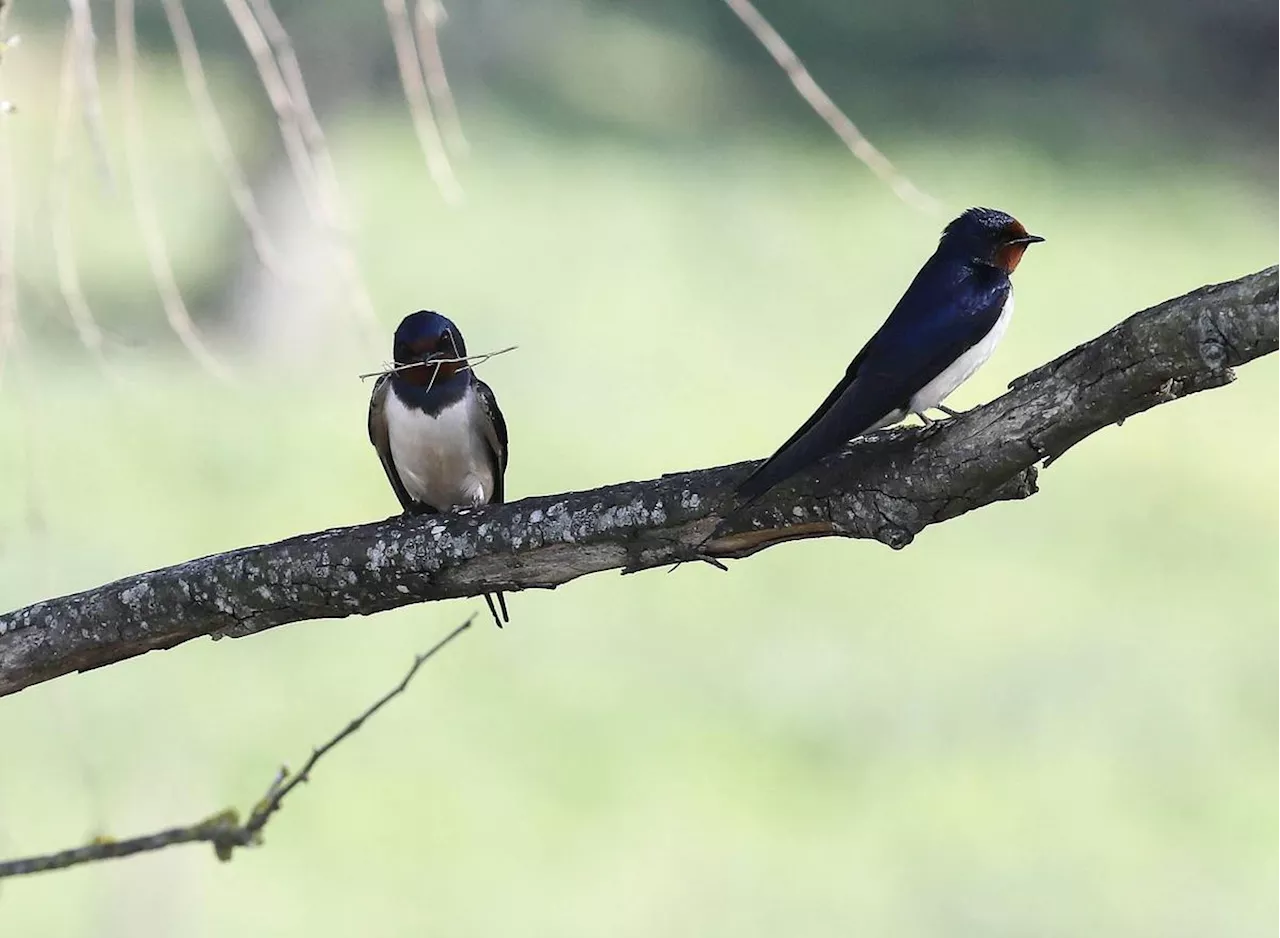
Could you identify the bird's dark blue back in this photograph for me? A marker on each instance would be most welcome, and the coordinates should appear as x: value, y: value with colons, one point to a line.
x: 949, y: 307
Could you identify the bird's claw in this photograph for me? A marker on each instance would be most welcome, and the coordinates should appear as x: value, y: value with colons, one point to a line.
x: 686, y: 553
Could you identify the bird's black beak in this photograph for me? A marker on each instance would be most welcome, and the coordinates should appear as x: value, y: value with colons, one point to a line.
x: 1026, y: 239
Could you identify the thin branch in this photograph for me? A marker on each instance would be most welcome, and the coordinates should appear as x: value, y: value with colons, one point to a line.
x: 223, y: 829
x: 415, y: 92
x: 8, y: 221
x: 175, y: 308
x: 86, y: 42
x: 282, y: 103
x: 308, y: 153
x: 828, y: 110
x: 322, y: 160
x: 469, y: 360
x: 887, y: 486
x: 308, y: 124
x: 64, y: 255
x: 215, y: 134
x: 286, y: 782
x: 428, y: 17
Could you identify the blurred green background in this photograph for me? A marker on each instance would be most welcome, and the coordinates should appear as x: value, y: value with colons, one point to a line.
x: 1055, y: 717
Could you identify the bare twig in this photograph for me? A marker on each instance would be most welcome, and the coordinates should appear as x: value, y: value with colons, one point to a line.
x: 8, y: 223
x: 224, y: 829
x: 326, y: 172
x: 429, y: 16
x: 60, y: 215
x: 827, y: 109
x: 272, y: 51
x: 175, y: 308
x: 286, y: 782
x: 415, y: 92
x: 216, y: 137
x: 470, y: 360
x: 85, y: 54
x: 308, y: 123
x: 220, y: 828
x: 282, y: 103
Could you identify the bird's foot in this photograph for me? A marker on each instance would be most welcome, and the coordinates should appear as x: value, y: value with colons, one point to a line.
x: 949, y: 412
x: 685, y: 553
x: 928, y: 421
x: 704, y: 558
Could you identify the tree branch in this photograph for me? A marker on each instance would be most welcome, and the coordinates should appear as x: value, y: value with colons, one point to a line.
x: 817, y: 99
x: 224, y: 829
x: 887, y: 486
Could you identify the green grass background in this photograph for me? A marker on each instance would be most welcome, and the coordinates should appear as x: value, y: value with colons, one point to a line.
x: 1054, y: 717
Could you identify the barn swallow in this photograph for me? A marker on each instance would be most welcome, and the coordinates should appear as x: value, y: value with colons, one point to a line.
x: 943, y: 329
x: 437, y: 427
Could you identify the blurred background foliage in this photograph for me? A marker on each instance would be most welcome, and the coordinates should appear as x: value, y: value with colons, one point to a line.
x: 1056, y: 717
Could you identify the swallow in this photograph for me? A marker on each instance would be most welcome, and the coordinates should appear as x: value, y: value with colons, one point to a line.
x: 436, y: 426
x: 944, y: 328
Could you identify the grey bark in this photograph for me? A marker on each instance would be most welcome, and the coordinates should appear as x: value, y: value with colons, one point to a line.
x: 887, y: 486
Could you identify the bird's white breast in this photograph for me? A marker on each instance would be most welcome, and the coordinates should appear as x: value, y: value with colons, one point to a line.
x: 962, y: 369
x: 443, y: 460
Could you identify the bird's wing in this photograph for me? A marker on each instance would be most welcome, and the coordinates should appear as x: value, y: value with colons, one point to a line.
x: 935, y: 322
x: 381, y: 438
x: 495, y: 434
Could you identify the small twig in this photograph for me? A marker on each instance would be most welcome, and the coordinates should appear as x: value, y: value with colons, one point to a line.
x: 281, y: 75
x: 281, y: 788
x: 224, y: 829
x: 469, y: 360
x: 60, y: 210
x: 415, y: 92
x: 216, y: 136
x: 827, y: 109
x: 175, y: 308
x: 308, y: 124
x: 429, y: 16
x: 321, y: 159
x: 295, y: 148
x: 8, y: 229
x: 87, y: 79
x: 217, y: 829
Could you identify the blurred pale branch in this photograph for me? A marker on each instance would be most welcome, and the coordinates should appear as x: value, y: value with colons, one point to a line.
x: 326, y: 173
x: 888, y: 487
x: 428, y: 17
x: 8, y: 210
x: 157, y: 249
x: 216, y: 137
x: 86, y: 71
x: 64, y: 254
x: 224, y: 830
x: 827, y: 109
x: 409, y: 62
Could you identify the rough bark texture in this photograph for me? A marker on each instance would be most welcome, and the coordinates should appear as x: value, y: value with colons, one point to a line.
x: 887, y: 486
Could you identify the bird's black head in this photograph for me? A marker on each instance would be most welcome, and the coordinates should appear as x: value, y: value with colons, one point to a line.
x: 986, y: 236
x: 432, y: 343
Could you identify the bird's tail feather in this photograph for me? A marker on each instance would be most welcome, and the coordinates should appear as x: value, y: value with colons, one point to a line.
x: 493, y: 610
x: 838, y: 426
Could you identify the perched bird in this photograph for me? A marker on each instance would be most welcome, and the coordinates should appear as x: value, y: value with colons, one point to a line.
x: 943, y: 329
x: 437, y: 427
